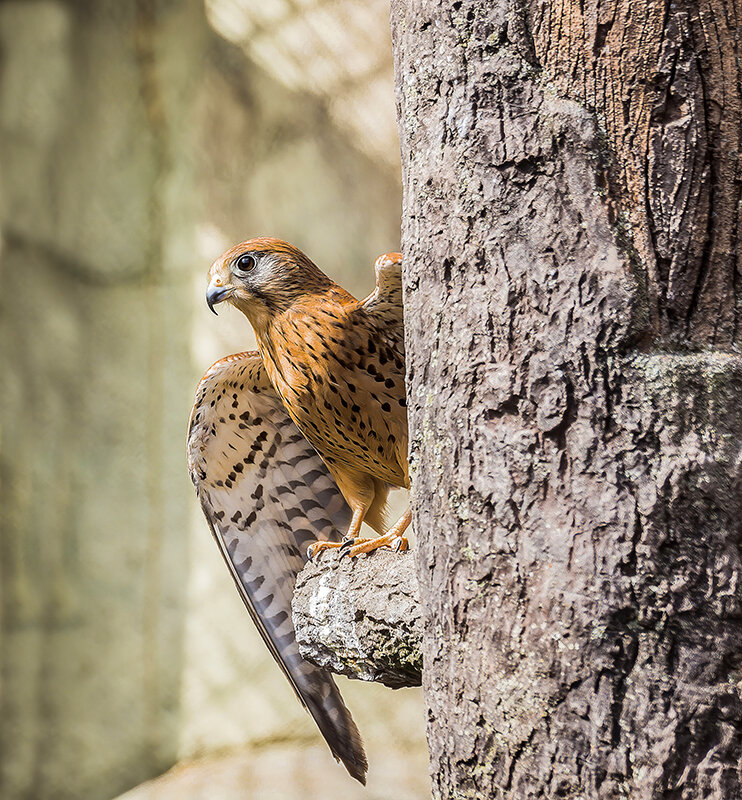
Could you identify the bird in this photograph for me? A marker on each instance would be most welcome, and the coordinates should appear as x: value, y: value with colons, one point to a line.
x: 293, y: 446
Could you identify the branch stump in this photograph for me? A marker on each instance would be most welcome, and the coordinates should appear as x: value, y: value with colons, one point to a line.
x: 361, y: 617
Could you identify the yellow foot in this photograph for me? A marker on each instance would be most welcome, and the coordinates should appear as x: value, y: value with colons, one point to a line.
x: 354, y: 547
x: 319, y: 547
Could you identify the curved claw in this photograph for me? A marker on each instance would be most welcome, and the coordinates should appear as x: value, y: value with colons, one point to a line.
x: 346, y: 548
x: 318, y: 547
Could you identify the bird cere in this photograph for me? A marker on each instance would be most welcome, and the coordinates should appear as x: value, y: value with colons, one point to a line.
x: 292, y: 447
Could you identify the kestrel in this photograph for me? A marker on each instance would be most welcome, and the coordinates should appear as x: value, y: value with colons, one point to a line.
x: 293, y: 445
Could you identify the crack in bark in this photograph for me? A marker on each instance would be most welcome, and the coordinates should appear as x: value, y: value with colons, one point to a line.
x: 574, y: 499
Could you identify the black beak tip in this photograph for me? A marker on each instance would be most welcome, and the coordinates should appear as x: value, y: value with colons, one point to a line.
x: 214, y: 296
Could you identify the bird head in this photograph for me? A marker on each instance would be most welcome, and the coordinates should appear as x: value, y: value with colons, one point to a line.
x: 262, y: 277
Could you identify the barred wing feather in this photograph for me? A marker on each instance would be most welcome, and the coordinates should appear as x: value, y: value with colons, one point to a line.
x: 267, y: 495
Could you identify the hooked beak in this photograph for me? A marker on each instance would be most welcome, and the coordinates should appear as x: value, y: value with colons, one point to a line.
x: 217, y: 294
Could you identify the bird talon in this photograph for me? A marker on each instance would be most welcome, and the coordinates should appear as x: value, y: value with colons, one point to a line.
x: 399, y: 545
x: 316, y: 548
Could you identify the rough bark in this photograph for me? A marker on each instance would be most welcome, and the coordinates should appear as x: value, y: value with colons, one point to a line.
x: 664, y: 84
x: 361, y: 619
x: 571, y: 185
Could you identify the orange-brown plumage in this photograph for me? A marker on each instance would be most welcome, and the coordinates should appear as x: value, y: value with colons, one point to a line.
x: 336, y: 362
x: 300, y: 442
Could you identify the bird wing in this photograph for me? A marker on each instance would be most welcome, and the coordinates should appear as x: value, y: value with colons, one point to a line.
x: 377, y: 331
x: 385, y: 302
x: 266, y: 495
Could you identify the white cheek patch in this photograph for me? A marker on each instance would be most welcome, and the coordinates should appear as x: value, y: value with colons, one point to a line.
x: 266, y: 270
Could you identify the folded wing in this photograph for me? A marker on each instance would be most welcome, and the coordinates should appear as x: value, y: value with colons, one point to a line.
x: 385, y: 302
x: 267, y: 495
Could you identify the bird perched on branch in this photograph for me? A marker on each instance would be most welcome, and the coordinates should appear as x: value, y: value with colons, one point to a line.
x: 299, y: 443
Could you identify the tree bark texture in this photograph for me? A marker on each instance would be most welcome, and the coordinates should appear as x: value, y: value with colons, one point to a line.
x: 361, y: 618
x: 572, y: 188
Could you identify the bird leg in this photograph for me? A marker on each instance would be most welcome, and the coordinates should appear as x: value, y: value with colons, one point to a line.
x: 355, y: 526
x: 392, y: 538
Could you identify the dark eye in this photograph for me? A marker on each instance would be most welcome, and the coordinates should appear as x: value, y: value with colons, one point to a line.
x: 245, y: 263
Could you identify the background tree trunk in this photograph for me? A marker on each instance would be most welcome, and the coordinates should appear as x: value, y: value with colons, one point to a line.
x: 138, y: 140
x: 571, y: 178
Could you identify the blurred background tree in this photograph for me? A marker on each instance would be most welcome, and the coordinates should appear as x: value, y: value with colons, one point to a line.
x: 137, y: 140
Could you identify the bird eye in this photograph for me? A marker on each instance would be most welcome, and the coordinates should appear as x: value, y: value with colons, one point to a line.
x: 245, y: 263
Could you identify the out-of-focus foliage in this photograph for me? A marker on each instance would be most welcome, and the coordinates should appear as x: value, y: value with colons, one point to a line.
x: 137, y: 139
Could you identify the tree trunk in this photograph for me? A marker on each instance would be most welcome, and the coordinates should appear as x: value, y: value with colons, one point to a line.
x: 572, y: 181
